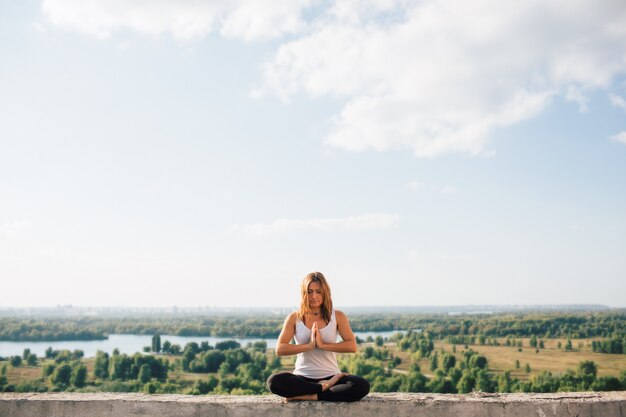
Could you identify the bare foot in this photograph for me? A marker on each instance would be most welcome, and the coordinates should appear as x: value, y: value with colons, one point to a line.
x: 327, y: 384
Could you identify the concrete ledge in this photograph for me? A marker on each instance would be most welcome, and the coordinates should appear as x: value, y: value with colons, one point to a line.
x: 580, y: 404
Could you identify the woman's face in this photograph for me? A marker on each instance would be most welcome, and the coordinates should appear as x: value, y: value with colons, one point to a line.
x: 315, y: 295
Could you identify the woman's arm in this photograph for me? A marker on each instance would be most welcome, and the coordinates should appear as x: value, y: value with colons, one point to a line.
x: 349, y: 341
x: 283, y: 346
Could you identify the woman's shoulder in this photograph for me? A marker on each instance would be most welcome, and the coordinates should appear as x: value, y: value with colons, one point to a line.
x: 292, y: 317
x: 340, y: 315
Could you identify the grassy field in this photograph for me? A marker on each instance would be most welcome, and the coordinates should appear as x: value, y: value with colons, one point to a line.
x: 553, y: 359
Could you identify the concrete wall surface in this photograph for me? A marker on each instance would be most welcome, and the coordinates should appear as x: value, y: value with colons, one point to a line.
x: 580, y: 404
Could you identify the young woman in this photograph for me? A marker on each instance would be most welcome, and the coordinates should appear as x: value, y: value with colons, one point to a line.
x: 315, y: 327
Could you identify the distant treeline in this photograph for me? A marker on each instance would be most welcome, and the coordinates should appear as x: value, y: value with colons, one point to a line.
x: 439, y: 326
x: 580, y: 325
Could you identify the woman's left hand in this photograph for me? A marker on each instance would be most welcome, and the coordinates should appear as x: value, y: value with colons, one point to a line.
x: 318, y: 338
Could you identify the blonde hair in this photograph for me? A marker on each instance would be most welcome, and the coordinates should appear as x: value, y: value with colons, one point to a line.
x: 327, y: 303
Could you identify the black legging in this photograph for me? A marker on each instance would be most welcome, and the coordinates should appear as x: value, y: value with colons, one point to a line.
x: 348, y: 388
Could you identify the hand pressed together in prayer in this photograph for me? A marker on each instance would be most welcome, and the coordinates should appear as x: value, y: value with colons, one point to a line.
x: 319, y: 342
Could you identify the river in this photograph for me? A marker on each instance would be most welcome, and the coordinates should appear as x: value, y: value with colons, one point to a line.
x: 131, y: 343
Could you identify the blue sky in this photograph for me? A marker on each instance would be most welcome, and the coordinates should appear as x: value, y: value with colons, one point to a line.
x: 213, y: 153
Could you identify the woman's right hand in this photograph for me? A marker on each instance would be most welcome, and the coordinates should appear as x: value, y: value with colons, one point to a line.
x: 312, y: 342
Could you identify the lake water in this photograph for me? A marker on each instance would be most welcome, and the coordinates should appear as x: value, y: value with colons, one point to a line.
x: 131, y: 343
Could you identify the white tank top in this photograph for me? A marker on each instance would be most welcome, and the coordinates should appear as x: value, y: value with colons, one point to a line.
x: 317, y: 363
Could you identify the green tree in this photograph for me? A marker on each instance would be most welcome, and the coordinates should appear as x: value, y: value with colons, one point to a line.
x: 188, y: 356
x: 101, y: 365
x: 3, y: 377
x: 119, y: 367
x: 224, y: 369
x: 606, y: 383
x: 204, y: 386
x: 25, y: 353
x: 483, y: 381
x: 368, y: 352
x: 478, y: 361
x: 145, y: 373
x: 50, y: 354
x: 504, y: 382
x: 415, y: 381
x: 447, y: 362
x: 466, y: 383
x: 433, y: 361
x: 543, y: 382
x: 275, y: 363
x: 587, y: 371
x: 455, y: 375
x: 79, y: 375
x: 156, y: 343
x: 63, y: 356
x: 229, y: 383
x: 62, y: 375
x: 527, y: 368
x: 440, y: 384
x: 379, y: 340
x: 227, y: 345
x: 533, y: 341
x: 250, y: 371
x: 15, y: 361
x: 31, y: 359
x: 151, y: 387
x: 47, y: 369
x: 568, y: 344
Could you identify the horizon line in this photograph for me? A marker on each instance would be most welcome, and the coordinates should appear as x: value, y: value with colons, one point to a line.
x: 257, y: 307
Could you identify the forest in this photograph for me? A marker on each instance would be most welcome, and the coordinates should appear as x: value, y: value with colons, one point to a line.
x: 545, y: 352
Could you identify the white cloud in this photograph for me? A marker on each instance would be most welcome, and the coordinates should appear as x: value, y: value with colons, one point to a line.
x: 617, y: 101
x: 15, y: 229
x: 370, y: 221
x: 620, y: 137
x: 448, y: 190
x: 415, y: 185
x: 440, y: 76
x: 435, y: 77
x: 575, y: 95
x: 182, y: 19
